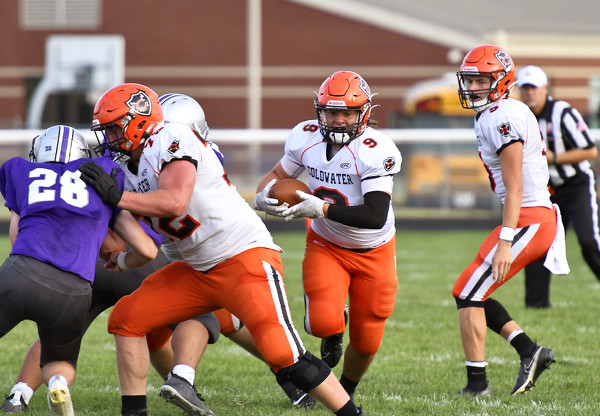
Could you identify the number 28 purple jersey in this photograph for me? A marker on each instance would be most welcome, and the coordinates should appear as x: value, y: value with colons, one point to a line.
x: 62, y: 220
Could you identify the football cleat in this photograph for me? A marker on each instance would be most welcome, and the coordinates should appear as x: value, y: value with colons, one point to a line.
x: 178, y: 391
x: 59, y: 399
x: 301, y: 399
x: 468, y: 391
x: 14, y: 403
x: 531, y: 368
x: 332, y: 348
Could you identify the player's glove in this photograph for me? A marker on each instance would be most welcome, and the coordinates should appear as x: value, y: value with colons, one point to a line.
x: 311, y: 207
x: 262, y: 201
x: 106, y: 185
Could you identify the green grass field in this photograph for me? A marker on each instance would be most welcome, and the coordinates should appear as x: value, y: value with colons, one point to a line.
x: 419, y: 367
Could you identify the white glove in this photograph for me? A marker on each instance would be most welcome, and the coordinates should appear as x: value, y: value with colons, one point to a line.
x: 262, y: 201
x: 311, y: 207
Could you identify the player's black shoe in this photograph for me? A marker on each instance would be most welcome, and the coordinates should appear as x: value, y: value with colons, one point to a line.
x: 332, y: 348
x: 14, y: 403
x: 468, y: 391
x: 178, y: 391
x: 300, y: 398
x: 531, y: 368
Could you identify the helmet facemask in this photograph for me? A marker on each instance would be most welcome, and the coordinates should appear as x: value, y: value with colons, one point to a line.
x: 479, y: 99
x: 341, y: 134
x: 111, y: 139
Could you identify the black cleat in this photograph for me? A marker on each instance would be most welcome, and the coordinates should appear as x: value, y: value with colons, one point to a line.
x: 468, y: 391
x: 300, y: 398
x: 531, y: 368
x: 332, y: 348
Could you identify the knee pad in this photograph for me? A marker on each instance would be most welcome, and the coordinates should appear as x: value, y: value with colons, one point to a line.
x: 495, y: 315
x: 210, y: 322
x: 307, y: 373
x: 463, y: 303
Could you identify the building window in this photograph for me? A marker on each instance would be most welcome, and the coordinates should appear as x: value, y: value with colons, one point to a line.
x: 60, y: 14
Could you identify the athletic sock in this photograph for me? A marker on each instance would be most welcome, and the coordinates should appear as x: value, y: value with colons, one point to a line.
x: 523, y: 344
x: 476, y: 377
x: 26, y: 391
x: 129, y: 404
x: 349, y: 409
x: 186, y: 372
x: 348, y: 385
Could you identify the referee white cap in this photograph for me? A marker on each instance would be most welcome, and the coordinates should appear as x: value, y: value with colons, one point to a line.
x: 532, y: 75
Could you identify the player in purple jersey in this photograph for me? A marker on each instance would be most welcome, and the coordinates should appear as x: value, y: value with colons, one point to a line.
x: 107, y: 289
x: 47, y: 278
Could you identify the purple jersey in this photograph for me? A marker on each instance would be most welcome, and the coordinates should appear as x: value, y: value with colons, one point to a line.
x: 156, y: 237
x: 62, y: 221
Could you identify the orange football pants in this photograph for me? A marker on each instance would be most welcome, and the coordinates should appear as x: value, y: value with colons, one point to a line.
x: 229, y: 323
x: 332, y: 275
x: 249, y: 285
x: 536, y: 230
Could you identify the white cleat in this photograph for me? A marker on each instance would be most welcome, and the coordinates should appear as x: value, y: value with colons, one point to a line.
x: 59, y: 398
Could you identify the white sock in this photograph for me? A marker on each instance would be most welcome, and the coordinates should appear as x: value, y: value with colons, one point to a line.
x: 481, y: 364
x: 24, y: 389
x: 186, y: 372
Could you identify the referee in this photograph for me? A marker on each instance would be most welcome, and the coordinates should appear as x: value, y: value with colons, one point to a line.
x: 570, y: 147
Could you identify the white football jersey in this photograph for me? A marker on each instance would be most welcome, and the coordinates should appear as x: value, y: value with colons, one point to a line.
x: 368, y: 163
x: 218, y: 223
x: 503, y: 123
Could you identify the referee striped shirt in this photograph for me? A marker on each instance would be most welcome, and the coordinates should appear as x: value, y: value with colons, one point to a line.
x: 564, y: 129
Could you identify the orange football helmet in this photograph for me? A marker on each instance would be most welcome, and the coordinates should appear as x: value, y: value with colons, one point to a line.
x: 344, y: 90
x: 486, y: 60
x: 126, y: 115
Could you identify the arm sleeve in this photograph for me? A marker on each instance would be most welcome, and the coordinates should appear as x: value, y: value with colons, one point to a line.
x: 372, y: 214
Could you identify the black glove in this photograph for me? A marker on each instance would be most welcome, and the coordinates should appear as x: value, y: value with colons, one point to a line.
x: 106, y: 185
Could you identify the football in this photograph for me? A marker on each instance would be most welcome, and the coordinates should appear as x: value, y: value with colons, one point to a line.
x: 284, y: 190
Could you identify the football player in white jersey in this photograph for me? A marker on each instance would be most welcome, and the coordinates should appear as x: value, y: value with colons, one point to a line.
x: 513, y: 154
x: 180, y: 108
x: 350, y: 246
x: 223, y: 255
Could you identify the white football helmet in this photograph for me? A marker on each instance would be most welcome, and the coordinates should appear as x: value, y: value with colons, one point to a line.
x: 59, y: 144
x: 180, y: 108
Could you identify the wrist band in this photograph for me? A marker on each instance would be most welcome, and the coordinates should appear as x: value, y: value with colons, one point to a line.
x: 121, y: 261
x: 554, y: 157
x: 507, y: 234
